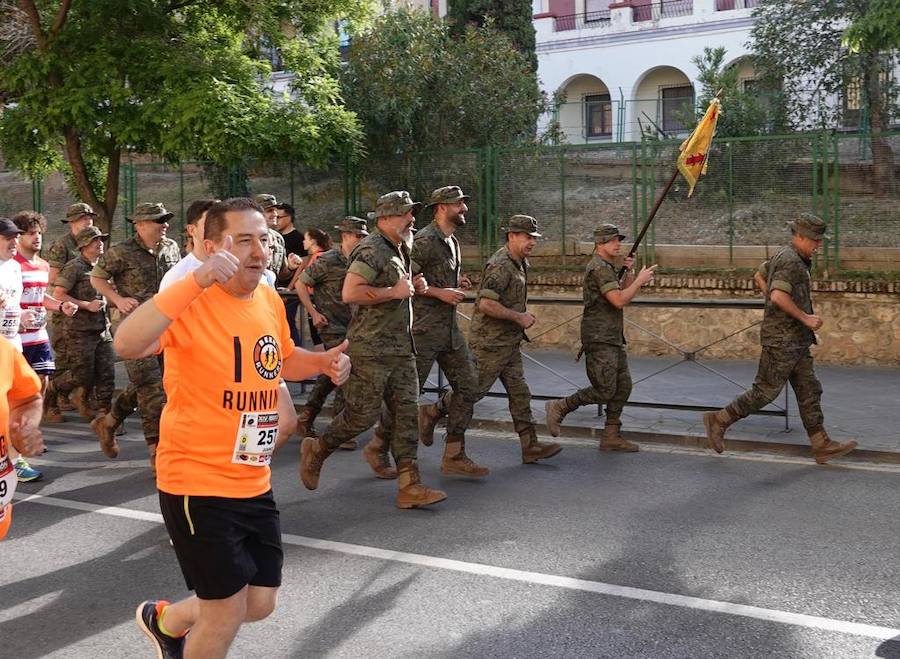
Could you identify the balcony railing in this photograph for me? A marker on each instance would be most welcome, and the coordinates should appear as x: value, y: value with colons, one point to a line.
x: 588, y: 19
x: 728, y: 5
x: 662, y: 9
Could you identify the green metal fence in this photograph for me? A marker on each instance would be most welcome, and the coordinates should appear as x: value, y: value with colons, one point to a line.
x: 753, y: 186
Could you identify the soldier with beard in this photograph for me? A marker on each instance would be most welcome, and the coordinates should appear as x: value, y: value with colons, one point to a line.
x: 380, y: 282
x: 436, y: 255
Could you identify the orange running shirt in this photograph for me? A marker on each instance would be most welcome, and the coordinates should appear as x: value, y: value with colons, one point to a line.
x: 223, y: 358
x: 17, y: 382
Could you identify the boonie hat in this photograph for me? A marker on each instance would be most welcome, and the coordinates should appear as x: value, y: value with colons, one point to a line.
x: 810, y: 226
x: 151, y: 212
x: 449, y: 194
x: 606, y: 232
x: 8, y: 228
x: 77, y: 210
x: 87, y: 235
x: 266, y: 200
x: 395, y: 203
x: 522, y: 224
x: 352, y: 224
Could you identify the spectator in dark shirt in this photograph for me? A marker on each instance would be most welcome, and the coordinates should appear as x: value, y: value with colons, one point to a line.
x: 293, y: 244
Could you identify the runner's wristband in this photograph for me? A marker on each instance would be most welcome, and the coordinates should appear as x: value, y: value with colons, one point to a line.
x: 177, y: 297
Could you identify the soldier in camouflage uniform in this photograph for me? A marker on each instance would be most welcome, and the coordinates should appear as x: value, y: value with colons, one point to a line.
x: 78, y: 217
x: 498, y: 328
x: 437, y: 255
x: 603, y: 339
x: 382, y: 351
x: 135, y: 267
x: 281, y: 263
x: 325, y: 276
x: 787, y: 332
x: 88, y: 343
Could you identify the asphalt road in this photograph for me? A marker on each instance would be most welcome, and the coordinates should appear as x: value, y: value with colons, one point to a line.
x: 666, y: 553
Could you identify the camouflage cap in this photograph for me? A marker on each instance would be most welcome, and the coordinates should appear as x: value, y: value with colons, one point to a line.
x: 77, y: 210
x: 395, y: 203
x: 809, y: 226
x: 351, y: 224
x: 87, y: 235
x: 151, y: 212
x: 8, y: 228
x: 266, y: 200
x: 606, y: 232
x: 449, y: 194
x: 522, y: 224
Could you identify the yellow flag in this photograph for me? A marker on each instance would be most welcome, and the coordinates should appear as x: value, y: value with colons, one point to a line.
x: 695, y: 149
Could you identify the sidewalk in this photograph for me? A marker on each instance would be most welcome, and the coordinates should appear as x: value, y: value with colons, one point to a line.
x: 858, y: 402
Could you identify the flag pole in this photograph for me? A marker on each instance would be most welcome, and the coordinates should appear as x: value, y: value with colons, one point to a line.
x: 640, y: 236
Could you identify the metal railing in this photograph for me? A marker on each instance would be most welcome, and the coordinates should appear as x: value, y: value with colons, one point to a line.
x: 662, y: 9
x: 584, y: 20
x: 728, y: 5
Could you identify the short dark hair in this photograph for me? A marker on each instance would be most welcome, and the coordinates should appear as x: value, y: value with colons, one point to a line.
x: 323, y: 240
x: 26, y: 220
x: 215, y: 216
x: 287, y: 207
x: 196, y: 210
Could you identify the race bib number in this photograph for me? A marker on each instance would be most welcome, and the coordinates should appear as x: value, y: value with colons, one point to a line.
x: 255, y: 439
x: 8, y: 479
x: 9, y: 322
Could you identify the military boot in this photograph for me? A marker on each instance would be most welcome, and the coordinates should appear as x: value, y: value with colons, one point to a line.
x: 555, y: 411
x: 455, y: 461
x: 305, y: 423
x: 824, y: 448
x: 534, y: 450
x: 80, y: 403
x: 105, y: 429
x: 429, y: 415
x: 716, y: 424
x: 52, y: 413
x: 613, y: 441
x: 376, y: 454
x: 313, y: 453
x: 410, y: 491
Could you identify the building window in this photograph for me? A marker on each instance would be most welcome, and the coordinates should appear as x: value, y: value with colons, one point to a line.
x: 598, y: 116
x: 677, y: 107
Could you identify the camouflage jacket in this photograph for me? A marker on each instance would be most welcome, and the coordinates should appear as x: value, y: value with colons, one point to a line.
x: 602, y: 323
x: 135, y: 269
x: 504, y: 280
x: 789, y: 272
x: 75, y: 277
x: 62, y: 251
x: 278, y: 253
x: 325, y: 276
x: 433, y: 320
x: 383, y: 329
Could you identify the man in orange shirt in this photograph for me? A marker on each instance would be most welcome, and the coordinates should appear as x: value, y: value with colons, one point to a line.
x: 226, y: 343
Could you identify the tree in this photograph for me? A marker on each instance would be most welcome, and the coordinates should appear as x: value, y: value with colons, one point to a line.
x: 512, y: 17
x: 415, y: 86
x: 177, y: 78
x: 802, y: 45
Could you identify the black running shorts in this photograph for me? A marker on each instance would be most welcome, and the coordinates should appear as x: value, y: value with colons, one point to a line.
x: 224, y: 544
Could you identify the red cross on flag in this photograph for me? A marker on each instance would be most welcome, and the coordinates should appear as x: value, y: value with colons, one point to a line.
x: 695, y: 149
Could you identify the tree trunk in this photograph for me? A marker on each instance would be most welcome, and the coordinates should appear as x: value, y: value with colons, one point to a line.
x: 106, y: 208
x: 884, y: 182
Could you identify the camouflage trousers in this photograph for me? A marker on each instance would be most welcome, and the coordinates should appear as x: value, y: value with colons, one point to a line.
x: 458, y: 402
x: 86, y: 360
x: 777, y: 367
x: 144, y: 391
x: 505, y: 362
x: 607, y: 371
x: 324, y: 386
x: 373, y: 381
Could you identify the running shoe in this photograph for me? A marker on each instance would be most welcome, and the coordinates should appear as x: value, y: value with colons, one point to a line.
x: 147, y: 616
x: 24, y: 472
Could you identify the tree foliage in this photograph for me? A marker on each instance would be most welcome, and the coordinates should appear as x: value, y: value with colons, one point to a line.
x: 416, y: 86
x: 179, y: 79
x: 512, y: 17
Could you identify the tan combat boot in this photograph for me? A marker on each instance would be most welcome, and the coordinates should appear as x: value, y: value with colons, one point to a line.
x: 456, y: 463
x: 824, y: 448
x: 429, y: 415
x: 52, y: 414
x: 105, y: 428
x: 716, y: 424
x: 554, y: 412
x: 79, y: 402
x: 534, y: 450
x: 613, y: 441
x: 305, y: 423
x: 313, y: 453
x: 376, y: 454
x: 410, y: 491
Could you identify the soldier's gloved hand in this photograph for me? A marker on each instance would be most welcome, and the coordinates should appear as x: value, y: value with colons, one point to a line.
x: 95, y: 305
x: 68, y: 308
x: 451, y: 296
x: 420, y: 285
x: 219, y: 267
x: 645, y: 276
x: 127, y: 304
x: 403, y: 289
x: 26, y: 437
x: 335, y: 364
x: 526, y: 320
